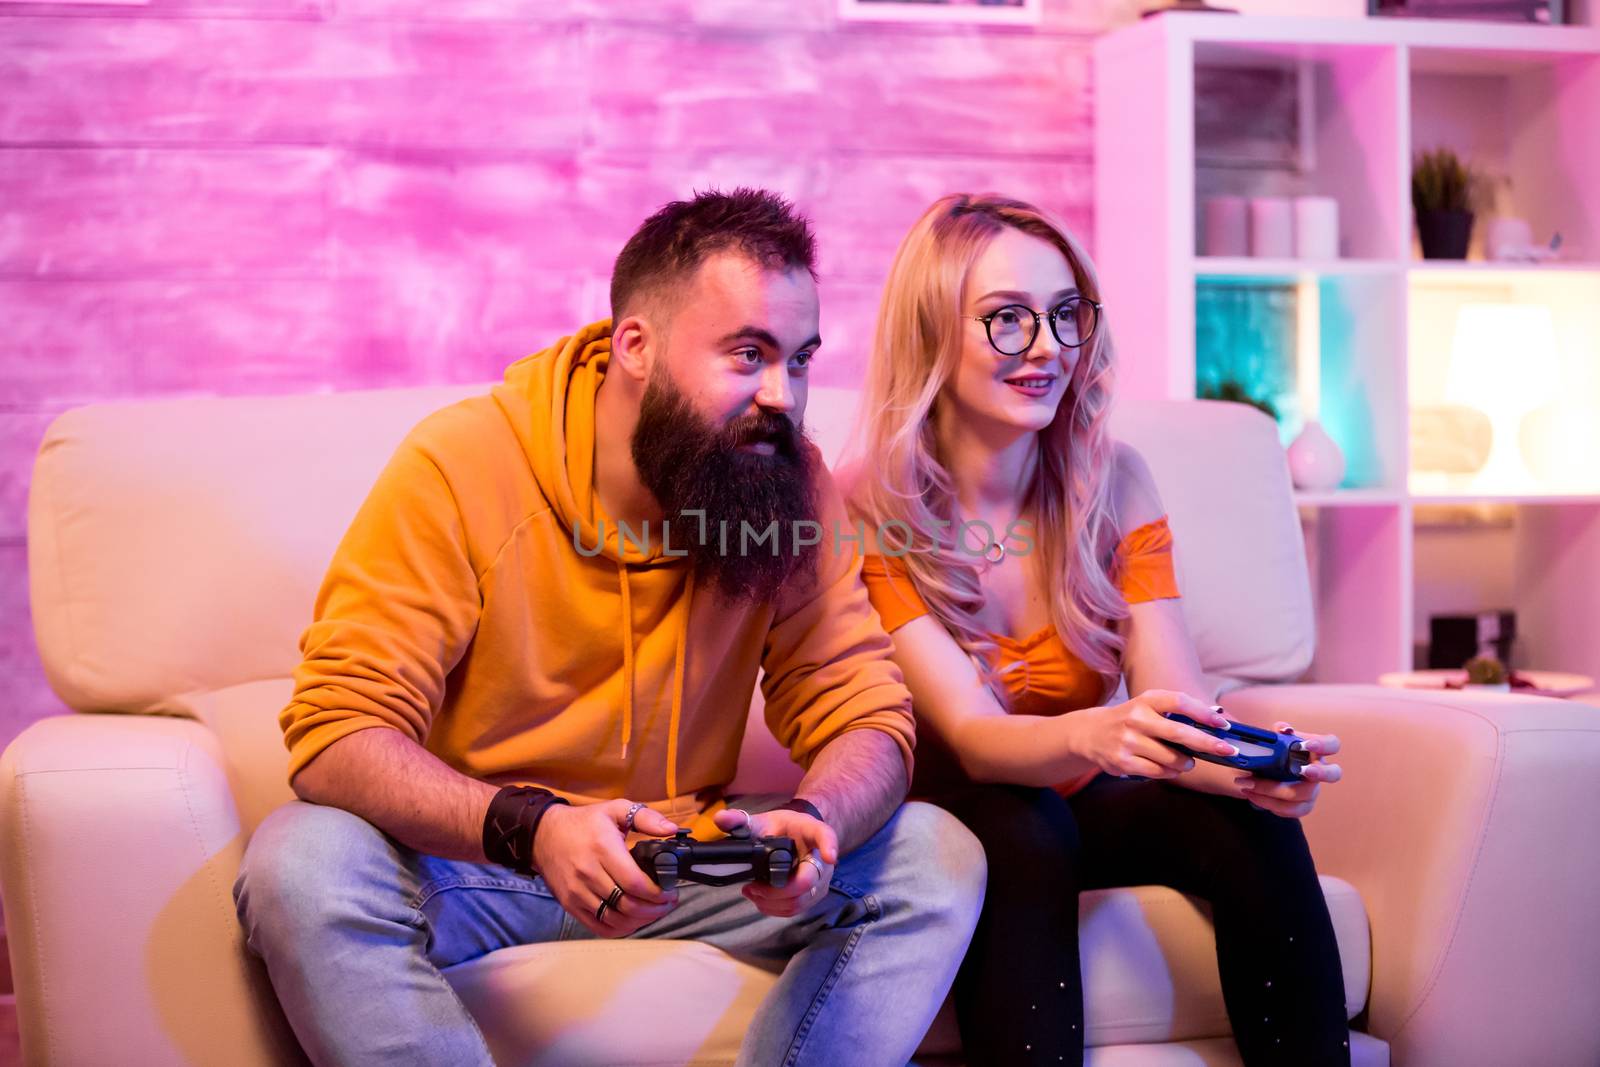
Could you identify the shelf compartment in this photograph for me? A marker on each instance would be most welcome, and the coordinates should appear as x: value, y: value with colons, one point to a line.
x: 1556, y: 422
x: 1527, y: 121
x: 1307, y: 121
x: 1537, y: 559
x: 1317, y: 347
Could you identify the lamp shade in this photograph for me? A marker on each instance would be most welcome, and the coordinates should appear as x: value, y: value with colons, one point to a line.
x: 1503, y: 359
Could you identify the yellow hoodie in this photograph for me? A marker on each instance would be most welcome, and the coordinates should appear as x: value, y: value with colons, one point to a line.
x: 458, y: 610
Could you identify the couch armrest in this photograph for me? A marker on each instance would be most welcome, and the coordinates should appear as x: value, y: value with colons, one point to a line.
x: 119, y: 843
x: 1465, y: 820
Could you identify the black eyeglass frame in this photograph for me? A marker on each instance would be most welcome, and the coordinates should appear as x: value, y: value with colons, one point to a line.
x: 988, y: 328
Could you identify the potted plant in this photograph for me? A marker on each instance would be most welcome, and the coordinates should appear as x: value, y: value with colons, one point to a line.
x: 1486, y: 672
x: 1234, y: 391
x: 1444, y: 191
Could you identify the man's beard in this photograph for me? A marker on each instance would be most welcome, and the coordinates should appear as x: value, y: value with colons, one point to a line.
x: 690, y: 465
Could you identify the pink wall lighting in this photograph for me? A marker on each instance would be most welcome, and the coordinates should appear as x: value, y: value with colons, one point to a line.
x: 235, y: 196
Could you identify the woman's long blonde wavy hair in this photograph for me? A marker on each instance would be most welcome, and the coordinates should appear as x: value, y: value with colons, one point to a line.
x: 905, y: 477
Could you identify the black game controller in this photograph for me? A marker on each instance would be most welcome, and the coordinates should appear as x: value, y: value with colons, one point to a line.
x: 723, y: 862
x: 1280, y: 757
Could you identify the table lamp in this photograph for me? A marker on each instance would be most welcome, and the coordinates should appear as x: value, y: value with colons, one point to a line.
x: 1503, y: 363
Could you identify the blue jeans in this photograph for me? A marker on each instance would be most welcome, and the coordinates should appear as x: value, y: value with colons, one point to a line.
x: 355, y: 928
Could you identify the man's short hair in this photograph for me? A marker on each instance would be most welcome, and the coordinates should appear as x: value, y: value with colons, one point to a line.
x: 671, y: 244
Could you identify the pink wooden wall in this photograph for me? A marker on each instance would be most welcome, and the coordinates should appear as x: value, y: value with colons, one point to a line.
x: 240, y: 196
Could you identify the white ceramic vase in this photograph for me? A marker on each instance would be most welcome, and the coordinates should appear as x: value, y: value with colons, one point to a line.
x: 1315, y: 461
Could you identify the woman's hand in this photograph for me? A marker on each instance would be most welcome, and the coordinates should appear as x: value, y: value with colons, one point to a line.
x: 1294, y: 800
x: 1129, y: 739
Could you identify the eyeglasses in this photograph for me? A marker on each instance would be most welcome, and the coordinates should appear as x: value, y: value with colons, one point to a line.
x: 1013, y: 328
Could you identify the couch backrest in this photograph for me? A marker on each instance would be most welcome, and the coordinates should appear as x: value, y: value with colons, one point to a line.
x: 175, y: 547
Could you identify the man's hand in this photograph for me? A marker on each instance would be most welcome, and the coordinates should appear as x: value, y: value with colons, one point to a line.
x: 1294, y: 800
x: 809, y: 878
x: 1126, y: 739
x: 581, y: 853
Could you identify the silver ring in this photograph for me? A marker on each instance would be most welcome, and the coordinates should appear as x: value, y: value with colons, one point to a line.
x: 747, y: 821
x: 610, y: 902
x: 821, y: 874
x: 633, y: 813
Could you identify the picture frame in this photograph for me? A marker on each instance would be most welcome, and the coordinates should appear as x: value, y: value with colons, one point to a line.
x: 971, y: 12
x: 1255, y: 118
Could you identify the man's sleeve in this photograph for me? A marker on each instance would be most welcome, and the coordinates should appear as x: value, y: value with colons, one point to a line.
x: 395, y: 613
x: 826, y: 661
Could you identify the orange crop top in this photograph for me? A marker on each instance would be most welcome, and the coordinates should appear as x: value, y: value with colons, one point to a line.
x: 1050, y: 679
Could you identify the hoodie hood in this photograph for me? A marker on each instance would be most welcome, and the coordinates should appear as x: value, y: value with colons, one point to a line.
x: 549, y: 399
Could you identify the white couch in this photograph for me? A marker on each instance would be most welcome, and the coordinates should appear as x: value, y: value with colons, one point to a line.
x: 174, y: 551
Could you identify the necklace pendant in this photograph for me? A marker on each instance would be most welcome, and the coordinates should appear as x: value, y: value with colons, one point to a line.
x: 994, y: 552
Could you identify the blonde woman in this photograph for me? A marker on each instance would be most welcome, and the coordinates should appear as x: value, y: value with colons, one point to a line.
x: 1024, y: 570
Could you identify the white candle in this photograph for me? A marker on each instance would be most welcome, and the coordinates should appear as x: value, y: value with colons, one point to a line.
x: 1227, y: 227
x: 1316, y: 227
x: 1271, y: 227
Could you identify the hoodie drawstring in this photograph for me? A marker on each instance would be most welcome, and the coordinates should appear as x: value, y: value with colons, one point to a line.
x: 678, y: 680
x: 627, y: 658
x: 677, y: 689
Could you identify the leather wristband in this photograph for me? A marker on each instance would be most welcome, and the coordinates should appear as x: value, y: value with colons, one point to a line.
x: 513, y: 819
x: 804, y: 807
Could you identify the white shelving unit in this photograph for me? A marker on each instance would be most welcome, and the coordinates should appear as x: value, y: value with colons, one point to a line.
x: 1369, y: 333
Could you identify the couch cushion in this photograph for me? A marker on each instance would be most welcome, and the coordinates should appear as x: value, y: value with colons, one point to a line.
x: 1148, y: 958
x: 176, y: 546
x: 1150, y: 964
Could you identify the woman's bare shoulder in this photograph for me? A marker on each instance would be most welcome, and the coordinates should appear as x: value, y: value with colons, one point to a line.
x: 1134, y: 497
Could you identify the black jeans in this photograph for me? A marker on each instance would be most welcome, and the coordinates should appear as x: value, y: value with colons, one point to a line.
x: 1019, y: 994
